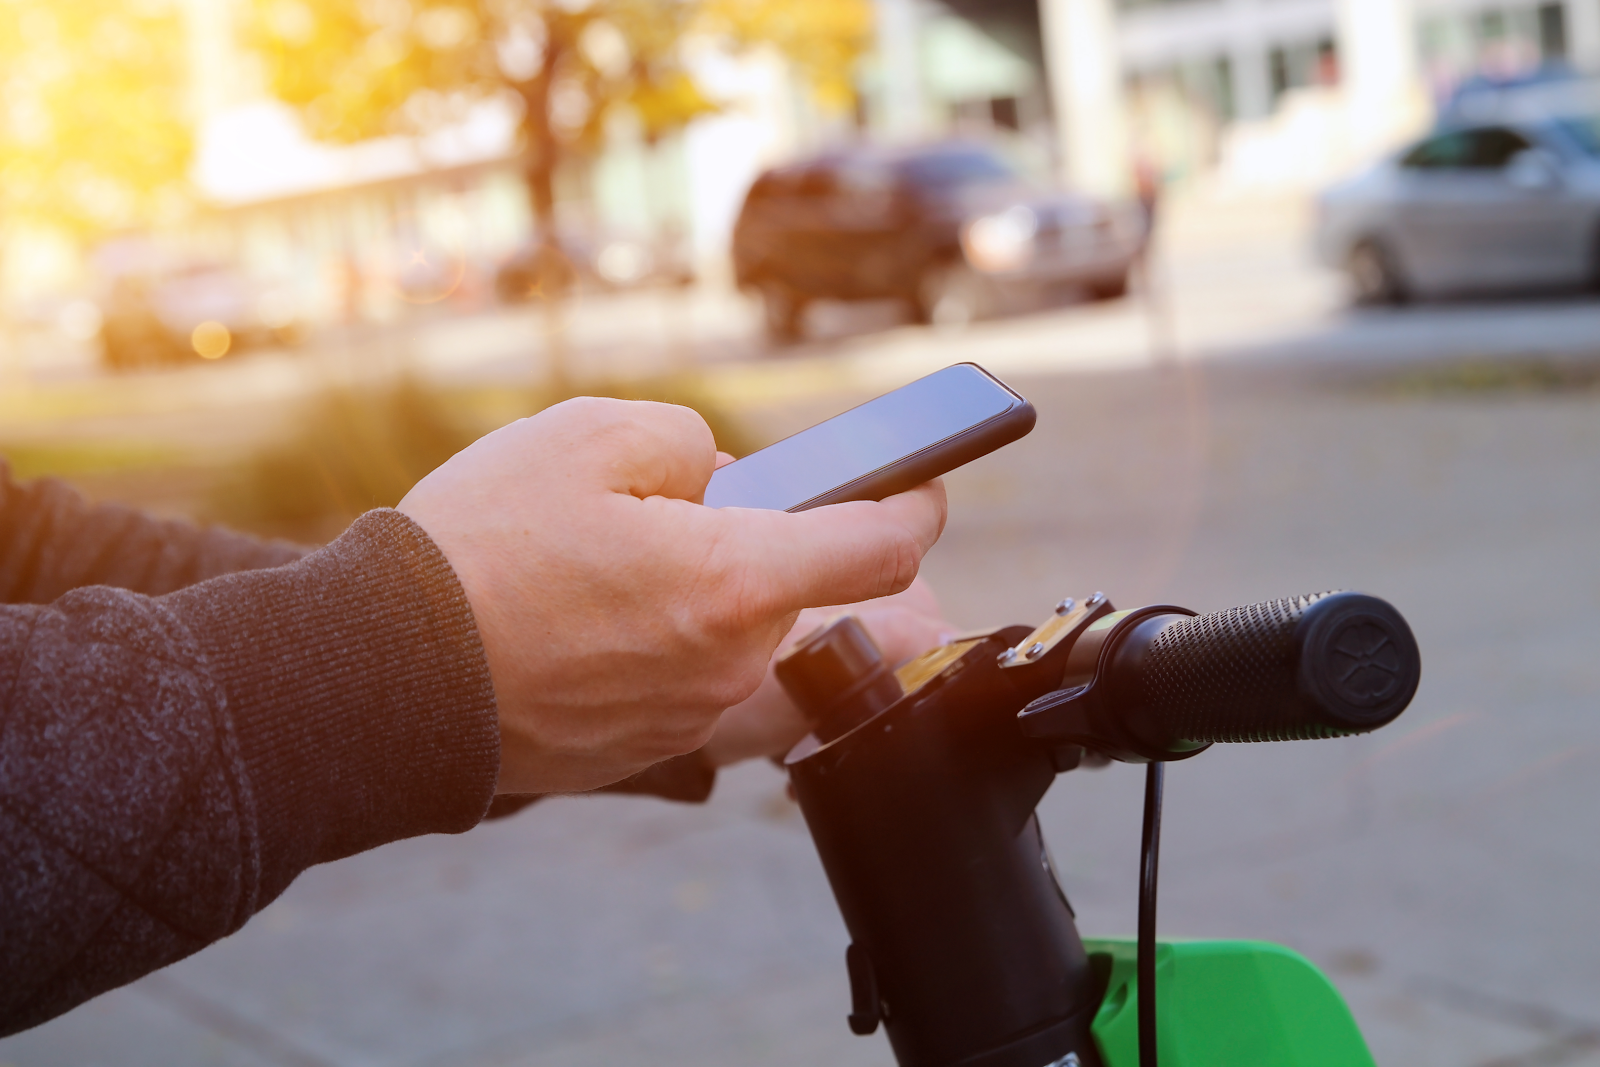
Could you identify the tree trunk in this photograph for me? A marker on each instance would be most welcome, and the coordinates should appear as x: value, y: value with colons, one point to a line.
x: 542, y: 150
x: 552, y: 270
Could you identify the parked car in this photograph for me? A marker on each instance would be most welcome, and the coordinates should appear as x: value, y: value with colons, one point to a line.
x: 1504, y: 196
x: 199, y: 309
x: 950, y: 229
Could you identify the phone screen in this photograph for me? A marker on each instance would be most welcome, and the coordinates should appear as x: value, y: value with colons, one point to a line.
x: 861, y: 440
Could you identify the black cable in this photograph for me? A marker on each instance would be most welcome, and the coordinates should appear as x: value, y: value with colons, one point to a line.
x: 1149, y: 860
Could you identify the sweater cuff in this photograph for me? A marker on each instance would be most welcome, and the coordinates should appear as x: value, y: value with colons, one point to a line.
x: 688, y: 778
x: 358, y: 693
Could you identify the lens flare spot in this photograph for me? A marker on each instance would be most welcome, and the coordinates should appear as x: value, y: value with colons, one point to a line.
x: 428, y: 258
x: 211, y: 340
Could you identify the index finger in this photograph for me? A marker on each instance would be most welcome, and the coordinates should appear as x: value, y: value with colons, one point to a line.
x: 637, y: 447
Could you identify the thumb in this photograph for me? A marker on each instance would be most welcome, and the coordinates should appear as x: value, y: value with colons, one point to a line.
x: 838, y: 554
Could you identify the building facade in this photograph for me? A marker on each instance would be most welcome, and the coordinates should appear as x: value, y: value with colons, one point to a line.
x: 1169, y: 79
x: 1241, y: 56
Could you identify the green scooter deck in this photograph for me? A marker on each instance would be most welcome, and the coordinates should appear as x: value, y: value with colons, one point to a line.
x: 1232, y: 1003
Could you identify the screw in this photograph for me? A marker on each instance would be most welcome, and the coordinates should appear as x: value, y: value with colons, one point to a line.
x: 1066, y: 606
x: 1096, y: 600
x: 1035, y: 649
x: 1006, y: 658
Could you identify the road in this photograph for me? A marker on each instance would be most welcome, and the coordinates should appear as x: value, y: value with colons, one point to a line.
x: 1442, y: 871
x: 1233, y: 282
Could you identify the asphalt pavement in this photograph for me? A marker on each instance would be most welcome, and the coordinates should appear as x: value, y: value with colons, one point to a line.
x: 1442, y: 870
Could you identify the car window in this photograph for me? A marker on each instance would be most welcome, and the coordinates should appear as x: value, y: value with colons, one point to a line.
x: 1582, y: 130
x: 1450, y: 150
x: 773, y: 185
x: 1494, y: 147
x: 948, y: 170
x: 1482, y: 149
x: 862, y: 177
x: 764, y: 189
x: 815, y: 183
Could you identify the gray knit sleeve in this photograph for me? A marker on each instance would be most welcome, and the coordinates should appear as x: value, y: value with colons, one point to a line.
x: 52, y: 541
x: 169, y: 764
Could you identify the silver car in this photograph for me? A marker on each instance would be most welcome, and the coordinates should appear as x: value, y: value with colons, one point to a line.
x: 1505, y: 196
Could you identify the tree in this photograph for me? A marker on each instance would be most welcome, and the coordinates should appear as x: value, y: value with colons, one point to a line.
x: 823, y: 40
x: 359, y: 68
x: 94, y: 130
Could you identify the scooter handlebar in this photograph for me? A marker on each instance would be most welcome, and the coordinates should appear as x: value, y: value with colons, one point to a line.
x: 1296, y: 668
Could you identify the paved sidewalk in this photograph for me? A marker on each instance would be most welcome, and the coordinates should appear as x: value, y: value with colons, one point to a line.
x: 1443, y: 870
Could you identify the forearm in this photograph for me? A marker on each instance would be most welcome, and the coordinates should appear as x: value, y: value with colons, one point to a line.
x: 173, y: 763
x: 52, y: 541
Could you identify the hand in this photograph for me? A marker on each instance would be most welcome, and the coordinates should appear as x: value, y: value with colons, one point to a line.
x: 619, y: 616
x: 768, y: 724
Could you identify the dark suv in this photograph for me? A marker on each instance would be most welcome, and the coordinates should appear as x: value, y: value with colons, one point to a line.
x: 950, y: 229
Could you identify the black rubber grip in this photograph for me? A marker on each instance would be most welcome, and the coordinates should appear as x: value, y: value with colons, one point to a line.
x: 1323, y: 665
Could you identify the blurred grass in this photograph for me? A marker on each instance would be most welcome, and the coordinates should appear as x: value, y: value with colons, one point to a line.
x: 66, y: 459
x: 357, y: 450
x: 349, y: 450
x: 1479, y: 377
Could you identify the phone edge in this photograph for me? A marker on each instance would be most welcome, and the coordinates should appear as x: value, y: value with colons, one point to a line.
x: 975, y: 442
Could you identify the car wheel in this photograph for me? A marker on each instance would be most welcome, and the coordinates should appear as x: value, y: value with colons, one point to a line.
x: 1374, y: 275
x: 1114, y: 288
x: 784, y: 310
x: 124, y: 349
x: 950, y: 295
x: 513, y: 285
x: 173, y: 351
x: 114, y: 354
x: 292, y: 335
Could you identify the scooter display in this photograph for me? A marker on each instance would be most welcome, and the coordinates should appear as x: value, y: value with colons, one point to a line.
x: 919, y: 787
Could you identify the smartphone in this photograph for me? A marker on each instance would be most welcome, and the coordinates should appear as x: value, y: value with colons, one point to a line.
x: 882, y: 447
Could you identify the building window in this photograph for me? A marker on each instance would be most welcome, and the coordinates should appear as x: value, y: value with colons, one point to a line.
x: 1552, y: 32
x: 1503, y: 41
x: 1003, y: 113
x: 1297, y: 66
x: 1213, y: 83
